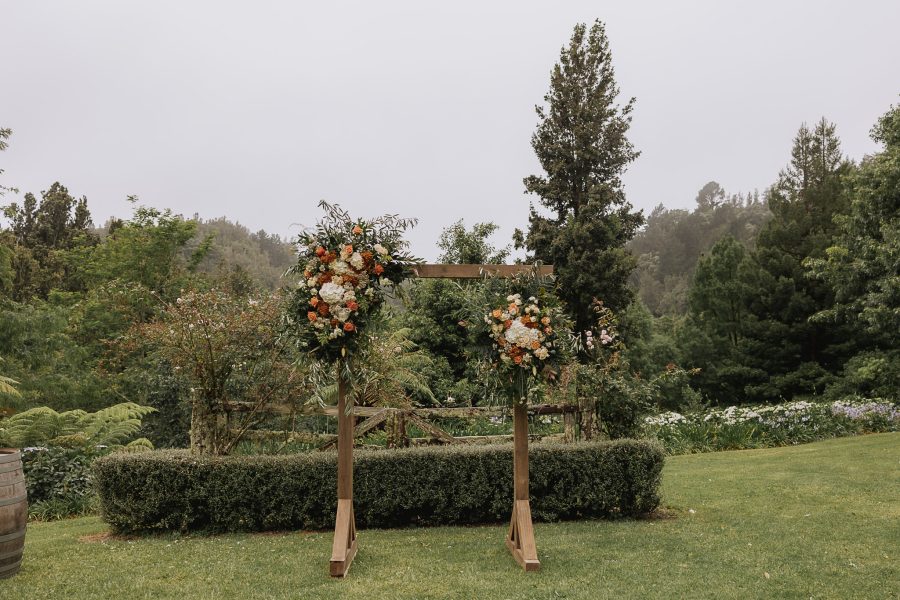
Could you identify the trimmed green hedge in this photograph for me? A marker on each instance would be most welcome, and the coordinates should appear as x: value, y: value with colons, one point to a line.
x: 173, y: 490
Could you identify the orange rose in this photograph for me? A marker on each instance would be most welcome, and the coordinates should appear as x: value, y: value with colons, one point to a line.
x: 517, y: 359
x: 348, y: 326
x: 311, y: 315
x: 507, y: 324
x: 348, y: 249
x: 545, y: 320
x: 357, y: 230
x: 352, y: 305
x: 320, y: 251
x: 535, y: 345
x: 314, y: 301
x: 379, y: 269
x: 307, y: 274
x: 497, y: 313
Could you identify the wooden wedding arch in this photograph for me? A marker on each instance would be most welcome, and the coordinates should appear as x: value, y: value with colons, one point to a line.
x: 520, y: 539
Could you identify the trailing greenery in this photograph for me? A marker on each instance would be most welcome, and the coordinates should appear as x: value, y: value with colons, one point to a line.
x: 173, y: 490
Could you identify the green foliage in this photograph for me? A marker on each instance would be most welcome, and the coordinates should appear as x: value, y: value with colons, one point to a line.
x: 145, y: 250
x: 389, y: 371
x: 673, y: 241
x: 172, y: 490
x: 5, y: 132
x: 798, y: 355
x: 7, y: 386
x: 583, y: 149
x: 714, y: 338
x: 39, y: 351
x: 470, y: 247
x: 110, y: 427
x: 42, y: 236
x: 862, y: 267
x: 435, y: 311
x: 221, y: 248
x: 226, y: 348
x: 62, y: 507
x: 58, y: 474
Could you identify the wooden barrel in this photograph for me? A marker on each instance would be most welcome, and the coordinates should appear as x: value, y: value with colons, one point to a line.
x: 13, y: 512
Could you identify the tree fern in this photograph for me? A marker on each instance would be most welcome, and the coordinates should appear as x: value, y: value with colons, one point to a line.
x: 6, y: 386
x: 112, y: 427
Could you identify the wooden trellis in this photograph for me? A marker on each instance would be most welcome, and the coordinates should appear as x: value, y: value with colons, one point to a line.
x: 520, y: 539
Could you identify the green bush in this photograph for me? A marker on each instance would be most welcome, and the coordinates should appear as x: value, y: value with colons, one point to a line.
x: 57, y: 472
x: 174, y: 490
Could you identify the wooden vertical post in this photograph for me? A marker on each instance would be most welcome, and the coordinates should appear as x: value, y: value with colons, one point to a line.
x: 343, y: 550
x: 520, y: 540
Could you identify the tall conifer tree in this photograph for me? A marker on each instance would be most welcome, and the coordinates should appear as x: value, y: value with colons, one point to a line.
x: 582, y: 145
x: 799, y: 356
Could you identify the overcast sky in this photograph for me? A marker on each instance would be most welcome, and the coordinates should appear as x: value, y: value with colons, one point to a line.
x: 256, y: 110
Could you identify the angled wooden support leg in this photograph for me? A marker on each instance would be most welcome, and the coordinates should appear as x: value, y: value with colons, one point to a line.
x: 343, y: 550
x: 520, y: 540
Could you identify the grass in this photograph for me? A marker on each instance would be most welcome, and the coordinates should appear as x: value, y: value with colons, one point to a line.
x: 815, y: 521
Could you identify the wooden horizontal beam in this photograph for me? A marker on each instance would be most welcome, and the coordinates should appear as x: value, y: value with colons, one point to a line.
x: 477, y: 271
x: 368, y: 411
x: 478, y: 439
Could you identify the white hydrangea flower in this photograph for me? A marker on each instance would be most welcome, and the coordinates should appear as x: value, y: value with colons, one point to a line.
x: 380, y: 249
x: 521, y: 335
x: 356, y: 261
x: 340, y: 267
x: 331, y: 293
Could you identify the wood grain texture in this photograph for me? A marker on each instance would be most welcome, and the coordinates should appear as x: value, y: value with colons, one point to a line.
x: 343, y: 549
x: 520, y: 540
x: 476, y: 271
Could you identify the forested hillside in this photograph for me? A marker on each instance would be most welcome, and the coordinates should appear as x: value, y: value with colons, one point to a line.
x: 673, y: 240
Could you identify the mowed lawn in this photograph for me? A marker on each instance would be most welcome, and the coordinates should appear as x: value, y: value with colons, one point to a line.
x: 814, y: 521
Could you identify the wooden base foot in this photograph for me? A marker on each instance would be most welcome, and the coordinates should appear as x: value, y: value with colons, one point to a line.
x: 520, y: 540
x: 344, y: 548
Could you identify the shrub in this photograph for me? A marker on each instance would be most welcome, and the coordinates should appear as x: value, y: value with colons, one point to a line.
x: 174, y: 490
x: 52, y: 473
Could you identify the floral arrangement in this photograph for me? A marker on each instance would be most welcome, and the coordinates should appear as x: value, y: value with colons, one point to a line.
x: 344, y: 266
x: 523, y: 335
